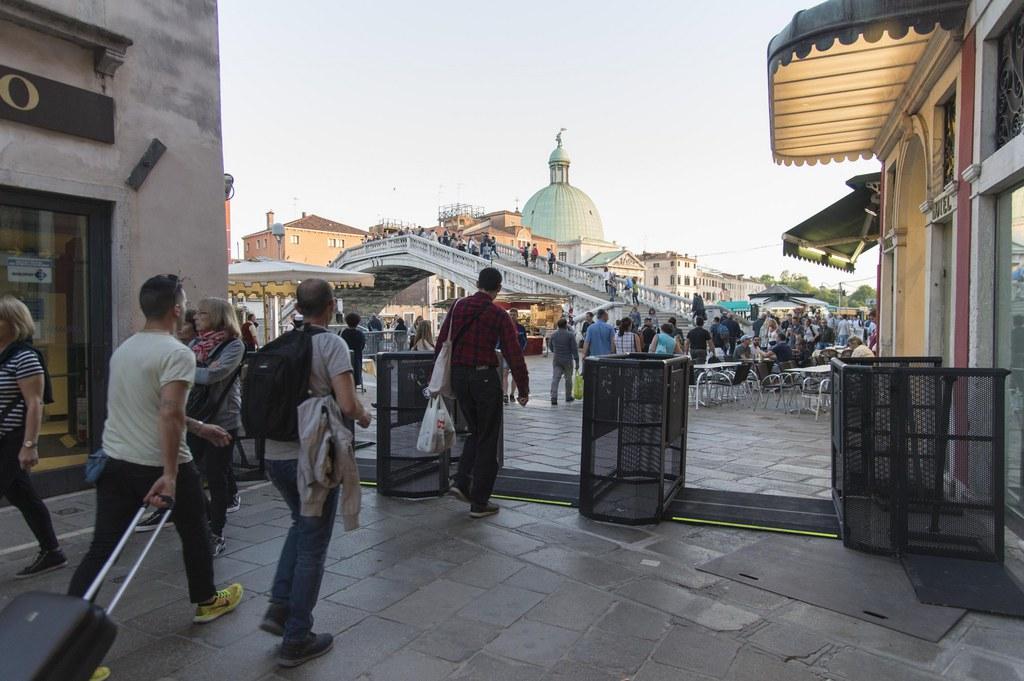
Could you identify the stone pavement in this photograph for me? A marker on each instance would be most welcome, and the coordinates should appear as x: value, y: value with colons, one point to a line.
x: 731, y: 447
x: 422, y: 592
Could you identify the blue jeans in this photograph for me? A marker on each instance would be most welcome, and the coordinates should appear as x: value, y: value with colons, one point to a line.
x: 301, y: 566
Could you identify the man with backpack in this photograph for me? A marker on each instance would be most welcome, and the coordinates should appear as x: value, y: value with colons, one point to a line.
x: 302, y: 364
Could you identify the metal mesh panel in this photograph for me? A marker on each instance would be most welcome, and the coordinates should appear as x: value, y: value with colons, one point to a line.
x: 403, y: 470
x: 634, y: 436
x: 918, y: 456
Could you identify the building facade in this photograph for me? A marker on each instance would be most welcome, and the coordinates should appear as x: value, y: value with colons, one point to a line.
x: 311, y: 239
x: 112, y: 171
x: 671, y: 271
x: 942, y: 112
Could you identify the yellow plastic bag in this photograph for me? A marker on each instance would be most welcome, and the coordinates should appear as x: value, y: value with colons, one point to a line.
x: 577, y: 386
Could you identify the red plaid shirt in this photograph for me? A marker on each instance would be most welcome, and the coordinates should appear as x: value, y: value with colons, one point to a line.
x: 487, y: 323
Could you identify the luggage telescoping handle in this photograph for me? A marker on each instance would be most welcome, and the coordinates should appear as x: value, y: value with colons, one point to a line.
x: 98, y: 582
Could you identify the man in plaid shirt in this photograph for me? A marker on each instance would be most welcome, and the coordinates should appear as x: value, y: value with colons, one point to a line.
x: 475, y: 325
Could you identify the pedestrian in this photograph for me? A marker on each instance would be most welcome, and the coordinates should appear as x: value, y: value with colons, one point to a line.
x: 635, y: 290
x: 521, y: 339
x: 844, y: 330
x: 734, y: 332
x: 627, y: 289
x: 653, y: 314
x: 647, y: 333
x: 300, y: 568
x: 613, y: 286
x: 769, y: 330
x: 475, y: 326
x: 719, y: 337
x: 607, y: 276
x: 551, y: 261
x: 859, y: 348
x: 249, y: 333
x: 148, y: 459
x: 758, y: 323
x: 665, y: 342
x: 534, y: 252
x: 355, y: 339
x: 599, y: 337
x: 219, y: 353
x: 424, y: 339
x: 375, y: 324
x: 401, y: 334
x: 699, y: 344
x: 697, y: 307
x: 565, y: 360
x: 23, y: 384
x: 634, y: 316
x: 187, y: 333
x: 525, y: 252
x: 626, y: 340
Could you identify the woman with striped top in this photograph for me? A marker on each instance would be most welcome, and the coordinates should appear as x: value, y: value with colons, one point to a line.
x: 22, y: 381
x: 626, y: 341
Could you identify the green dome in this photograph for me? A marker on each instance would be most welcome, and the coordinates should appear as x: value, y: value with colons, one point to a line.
x: 560, y: 211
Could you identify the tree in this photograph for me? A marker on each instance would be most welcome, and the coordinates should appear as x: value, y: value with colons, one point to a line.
x: 861, y: 296
x: 767, y: 280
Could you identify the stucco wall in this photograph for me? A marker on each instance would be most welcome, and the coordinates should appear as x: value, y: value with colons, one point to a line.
x: 168, y: 88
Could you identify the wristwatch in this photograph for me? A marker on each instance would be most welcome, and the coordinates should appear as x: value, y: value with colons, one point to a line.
x: 29, y: 444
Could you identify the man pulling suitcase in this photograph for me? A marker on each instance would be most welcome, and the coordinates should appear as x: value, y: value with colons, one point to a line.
x: 147, y: 459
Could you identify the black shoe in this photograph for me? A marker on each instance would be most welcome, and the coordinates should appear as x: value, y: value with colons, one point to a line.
x: 149, y: 523
x: 504, y: 398
x: 570, y: 400
x: 459, y: 494
x: 554, y: 403
x: 273, y: 620
x: 294, y: 654
x: 46, y: 561
x: 219, y: 545
x: 236, y: 503
x: 476, y: 511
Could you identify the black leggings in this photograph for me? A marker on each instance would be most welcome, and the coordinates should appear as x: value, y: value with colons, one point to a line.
x: 16, y: 485
x: 216, y: 464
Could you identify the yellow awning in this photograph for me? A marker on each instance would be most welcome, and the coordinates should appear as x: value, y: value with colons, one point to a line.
x: 836, y: 72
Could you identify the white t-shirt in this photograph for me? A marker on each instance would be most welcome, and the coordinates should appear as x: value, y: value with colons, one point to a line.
x: 139, y: 368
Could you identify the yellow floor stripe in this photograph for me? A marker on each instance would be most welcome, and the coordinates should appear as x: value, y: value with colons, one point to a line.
x: 532, y: 501
x: 826, y: 535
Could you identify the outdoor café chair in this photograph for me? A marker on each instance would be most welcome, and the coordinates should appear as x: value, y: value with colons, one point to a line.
x: 817, y: 394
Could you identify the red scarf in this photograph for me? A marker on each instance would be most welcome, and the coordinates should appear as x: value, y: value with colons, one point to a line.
x: 206, y: 343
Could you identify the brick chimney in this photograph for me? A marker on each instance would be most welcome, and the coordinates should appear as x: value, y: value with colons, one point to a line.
x: 270, y: 218
x: 303, y: 213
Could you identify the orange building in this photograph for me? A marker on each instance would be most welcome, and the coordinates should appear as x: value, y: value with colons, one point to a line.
x: 507, y: 228
x: 311, y: 239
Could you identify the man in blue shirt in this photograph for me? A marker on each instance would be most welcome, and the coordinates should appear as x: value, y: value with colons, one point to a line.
x: 599, y: 337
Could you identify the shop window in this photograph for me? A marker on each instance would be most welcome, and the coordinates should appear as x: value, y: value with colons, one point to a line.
x: 949, y: 141
x: 1010, y: 83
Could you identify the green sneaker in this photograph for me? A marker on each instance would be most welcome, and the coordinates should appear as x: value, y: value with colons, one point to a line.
x: 101, y: 674
x: 223, y: 602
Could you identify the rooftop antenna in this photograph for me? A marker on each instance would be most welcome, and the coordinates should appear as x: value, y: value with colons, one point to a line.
x: 517, y: 204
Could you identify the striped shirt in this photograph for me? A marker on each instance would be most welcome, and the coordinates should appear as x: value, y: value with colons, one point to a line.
x: 21, y: 365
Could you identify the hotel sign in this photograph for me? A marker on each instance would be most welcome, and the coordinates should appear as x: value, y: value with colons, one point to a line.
x: 44, y: 103
x: 943, y: 205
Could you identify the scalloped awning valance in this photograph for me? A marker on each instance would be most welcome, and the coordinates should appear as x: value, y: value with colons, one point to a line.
x: 836, y: 71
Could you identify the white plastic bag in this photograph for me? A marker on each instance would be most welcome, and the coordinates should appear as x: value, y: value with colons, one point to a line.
x: 437, y: 432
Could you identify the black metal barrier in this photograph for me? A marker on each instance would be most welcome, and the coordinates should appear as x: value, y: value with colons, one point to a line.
x: 917, y: 457
x: 403, y: 470
x: 634, y: 436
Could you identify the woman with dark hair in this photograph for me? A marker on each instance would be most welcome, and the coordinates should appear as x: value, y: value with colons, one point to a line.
x: 626, y: 340
x: 356, y: 341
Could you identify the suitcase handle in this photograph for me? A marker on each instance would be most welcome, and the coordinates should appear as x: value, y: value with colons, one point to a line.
x: 98, y: 582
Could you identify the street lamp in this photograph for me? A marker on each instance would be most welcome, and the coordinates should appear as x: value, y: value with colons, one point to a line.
x: 277, y: 229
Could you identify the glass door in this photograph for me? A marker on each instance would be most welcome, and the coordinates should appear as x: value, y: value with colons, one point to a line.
x: 1010, y: 343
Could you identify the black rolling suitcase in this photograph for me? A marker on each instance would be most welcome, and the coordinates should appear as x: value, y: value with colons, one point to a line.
x: 54, y: 637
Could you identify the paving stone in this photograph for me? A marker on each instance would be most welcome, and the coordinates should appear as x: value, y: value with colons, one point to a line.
x: 576, y: 671
x: 654, y: 671
x: 168, y: 654
x: 746, y: 596
x: 484, y: 667
x: 533, y: 642
x: 350, y: 543
x: 861, y: 634
x: 334, y: 618
x: 456, y: 639
x: 580, y: 567
x: 416, y: 570
x: 751, y: 665
x: 629, y: 619
x: 697, y: 650
x: 682, y: 603
x: 364, y: 564
x: 501, y: 605
x: 247, y: 658
x: 499, y: 539
x: 536, y: 579
x: 452, y: 550
x: 568, y: 538
x: 617, y: 652
x: 790, y: 641
x: 664, y: 568
x: 409, y: 665
x: 486, y: 571
x: 688, y: 553
x: 433, y: 603
x: 573, y: 606
x: 617, y: 533
x: 857, y: 665
x: 995, y: 640
x: 356, y: 651
x: 372, y: 594
x: 978, y: 666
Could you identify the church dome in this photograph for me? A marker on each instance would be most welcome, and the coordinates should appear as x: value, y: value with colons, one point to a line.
x: 560, y: 211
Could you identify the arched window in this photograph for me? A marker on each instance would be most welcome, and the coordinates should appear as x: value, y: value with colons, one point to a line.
x: 655, y: 281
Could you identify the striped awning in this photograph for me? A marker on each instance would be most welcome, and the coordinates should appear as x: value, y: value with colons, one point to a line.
x: 837, y: 70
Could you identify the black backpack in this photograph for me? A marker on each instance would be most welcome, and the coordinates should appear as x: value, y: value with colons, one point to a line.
x: 276, y: 381
x: 828, y: 334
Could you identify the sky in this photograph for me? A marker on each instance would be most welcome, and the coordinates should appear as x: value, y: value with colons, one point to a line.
x: 359, y: 111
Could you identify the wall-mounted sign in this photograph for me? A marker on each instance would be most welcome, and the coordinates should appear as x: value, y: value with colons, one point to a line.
x: 44, y: 103
x: 30, y: 271
x: 943, y: 205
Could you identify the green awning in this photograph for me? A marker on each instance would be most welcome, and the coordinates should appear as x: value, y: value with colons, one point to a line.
x: 838, y: 235
x: 735, y: 305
